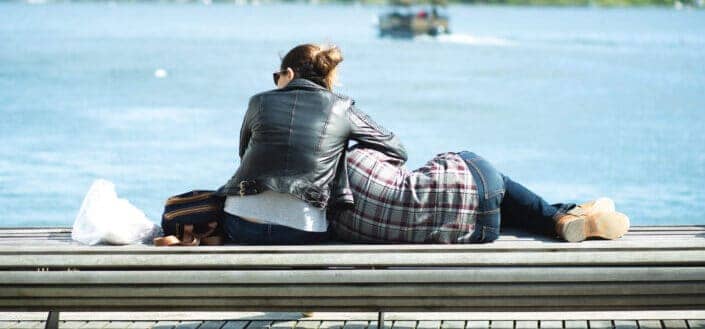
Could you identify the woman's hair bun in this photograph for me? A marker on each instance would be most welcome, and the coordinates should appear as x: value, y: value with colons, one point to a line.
x: 327, y: 59
x: 314, y: 62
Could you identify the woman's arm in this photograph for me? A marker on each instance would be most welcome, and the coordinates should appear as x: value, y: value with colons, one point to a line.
x: 246, y: 128
x: 370, y: 134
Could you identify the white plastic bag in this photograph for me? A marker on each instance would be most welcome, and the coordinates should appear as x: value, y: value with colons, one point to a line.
x: 105, y: 218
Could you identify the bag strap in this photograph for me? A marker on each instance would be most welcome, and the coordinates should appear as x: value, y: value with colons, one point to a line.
x: 190, y: 238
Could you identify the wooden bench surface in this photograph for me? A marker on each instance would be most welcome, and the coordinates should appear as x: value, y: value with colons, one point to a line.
x: 649, y: 268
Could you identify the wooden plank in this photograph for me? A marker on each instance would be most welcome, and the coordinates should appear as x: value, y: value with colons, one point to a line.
x: 8, y: 324
x: 674, y: 324
x: 361, y: 259
x: 57, y: 247
x: 391, y: 248
x: 356, y: 324
x: 526, y: 324
x: 600, y: 324
x: 452, y: 324
x: 667, y: 227
x: 188, y: 325
x: 283, y: 324
x: 550, y: 324
x: 501, y: 324
x: 649, y: 324
x: 398, y: 304
x: 308, y: 324
x: 427, y: 315
x: 235, y: 325
x: 142, y: 325
x: 98, y: 325
x: 428, y: 324
x: 352, y: 290
x: 332, y: 325
x: 30, y: 324
x: 404, y: 324
x: 212, y: 324
x: 72, y: 324
x: 575, y: 324
x: 625, y: 324
x: 118, y: 325
x: 374, y: 325
x: 478, y: 324
x: 696, y: 324
x: 491, y: 274
x: 41, y: 324
x: 259, y: 324
x: 23, y: 230
x: 165, y: 324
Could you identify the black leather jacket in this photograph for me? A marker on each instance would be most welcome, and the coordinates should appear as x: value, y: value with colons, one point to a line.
x: 293, y: 140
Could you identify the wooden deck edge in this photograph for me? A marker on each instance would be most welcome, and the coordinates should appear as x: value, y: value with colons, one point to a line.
x: 319, y: 316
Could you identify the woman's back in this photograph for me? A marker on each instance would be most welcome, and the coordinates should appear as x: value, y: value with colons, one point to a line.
x: 292, y: 139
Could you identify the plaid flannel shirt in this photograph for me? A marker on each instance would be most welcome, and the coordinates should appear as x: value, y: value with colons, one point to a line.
x: 433, y: 204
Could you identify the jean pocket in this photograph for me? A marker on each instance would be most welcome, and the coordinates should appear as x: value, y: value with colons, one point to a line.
x: 484, y: 234
x: 487, y: 226
x: 488, y: 179
x: 489, y: 233
x: 491, y: 180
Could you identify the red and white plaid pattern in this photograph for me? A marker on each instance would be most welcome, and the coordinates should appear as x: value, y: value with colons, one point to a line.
x: 433, y: 204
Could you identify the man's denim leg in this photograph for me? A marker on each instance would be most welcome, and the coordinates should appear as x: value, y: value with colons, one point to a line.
x: 522, y: 208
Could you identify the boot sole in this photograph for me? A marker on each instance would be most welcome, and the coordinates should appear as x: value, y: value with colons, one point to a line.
x: 606, y: 225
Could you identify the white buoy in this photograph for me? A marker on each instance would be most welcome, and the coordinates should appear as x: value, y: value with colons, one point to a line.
x: 160, y: 73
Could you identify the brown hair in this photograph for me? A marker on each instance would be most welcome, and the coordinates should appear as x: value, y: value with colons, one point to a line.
x: 314, y: 62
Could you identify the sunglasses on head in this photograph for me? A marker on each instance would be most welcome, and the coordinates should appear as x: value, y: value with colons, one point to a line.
x: 276, y: 76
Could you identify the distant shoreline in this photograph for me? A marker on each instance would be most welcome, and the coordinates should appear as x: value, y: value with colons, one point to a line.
x: 678, y: 4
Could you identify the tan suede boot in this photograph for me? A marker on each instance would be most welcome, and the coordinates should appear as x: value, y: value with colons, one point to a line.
x: 592, y: 219
x: 598, y: 205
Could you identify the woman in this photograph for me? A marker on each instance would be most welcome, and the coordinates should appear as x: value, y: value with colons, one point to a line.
x: 292, y: 153
x: 456, y: 198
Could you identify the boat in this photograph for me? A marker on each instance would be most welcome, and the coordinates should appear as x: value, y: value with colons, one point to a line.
x: 407, y: 19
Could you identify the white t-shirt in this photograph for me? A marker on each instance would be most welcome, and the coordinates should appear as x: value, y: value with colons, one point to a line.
x: 271, y: 207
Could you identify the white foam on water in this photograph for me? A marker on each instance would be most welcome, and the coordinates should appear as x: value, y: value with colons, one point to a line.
x: 162, y: 73
x: 468, y: 39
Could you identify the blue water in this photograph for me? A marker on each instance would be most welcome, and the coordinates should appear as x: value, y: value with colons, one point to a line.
x: 575, y: 103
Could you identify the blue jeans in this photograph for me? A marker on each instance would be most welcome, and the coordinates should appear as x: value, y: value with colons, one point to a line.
x: 506, y: 203
x: 240, y: 231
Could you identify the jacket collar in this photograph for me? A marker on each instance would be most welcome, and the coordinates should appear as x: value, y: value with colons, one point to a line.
x: 306, y: 83
x: 303, y: 83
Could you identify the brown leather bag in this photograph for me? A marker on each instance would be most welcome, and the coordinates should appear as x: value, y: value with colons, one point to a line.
x: 192, y: 219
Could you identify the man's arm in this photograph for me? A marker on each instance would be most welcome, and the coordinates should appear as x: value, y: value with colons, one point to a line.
x: 370, y: 134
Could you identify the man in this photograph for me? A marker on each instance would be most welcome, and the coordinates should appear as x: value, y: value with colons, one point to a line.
x: 456, y: 198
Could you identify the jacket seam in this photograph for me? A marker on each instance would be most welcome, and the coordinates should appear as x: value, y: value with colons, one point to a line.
x: 291, y: 131
x: 323, y: 131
